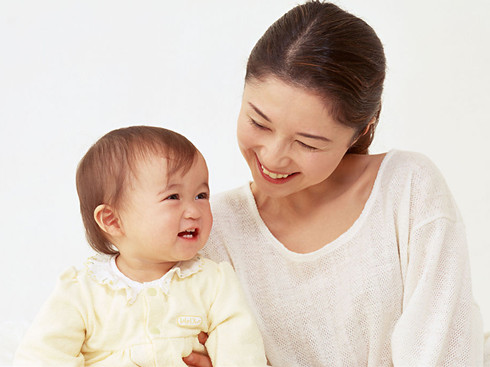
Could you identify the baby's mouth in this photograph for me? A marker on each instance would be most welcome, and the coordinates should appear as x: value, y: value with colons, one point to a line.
x: 189, y: 233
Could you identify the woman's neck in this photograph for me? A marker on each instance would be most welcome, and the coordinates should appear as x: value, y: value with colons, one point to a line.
x: 304, y: 202
x: 307, y: 220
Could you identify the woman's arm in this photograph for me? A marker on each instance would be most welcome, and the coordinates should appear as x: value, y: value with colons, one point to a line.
x: 440, y: 324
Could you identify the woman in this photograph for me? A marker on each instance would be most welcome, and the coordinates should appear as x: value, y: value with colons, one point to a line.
x: 347, y: 259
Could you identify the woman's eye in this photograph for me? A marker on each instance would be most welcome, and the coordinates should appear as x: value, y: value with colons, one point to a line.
x: 202, y: 195
x: 306, y: 146
x: 172, y: 197
x: 257, y: 125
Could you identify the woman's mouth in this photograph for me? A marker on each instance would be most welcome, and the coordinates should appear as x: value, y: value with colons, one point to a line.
x: 272, y: 174
x: 274, y: 177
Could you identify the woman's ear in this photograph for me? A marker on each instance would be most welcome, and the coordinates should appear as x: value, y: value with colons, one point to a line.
x: 107, y: 219
x: 364, y: 131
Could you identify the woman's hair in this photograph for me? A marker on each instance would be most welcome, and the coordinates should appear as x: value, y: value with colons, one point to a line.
x: 322, y: 48
x: 108, y: 166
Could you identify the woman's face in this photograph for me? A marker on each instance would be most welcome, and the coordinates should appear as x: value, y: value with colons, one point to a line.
x: 288, y: 138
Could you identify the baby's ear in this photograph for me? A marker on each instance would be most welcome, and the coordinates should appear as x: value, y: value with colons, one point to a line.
x: 107, y: 219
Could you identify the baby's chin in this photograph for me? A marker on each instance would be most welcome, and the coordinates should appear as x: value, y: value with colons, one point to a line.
x: 191, y: 254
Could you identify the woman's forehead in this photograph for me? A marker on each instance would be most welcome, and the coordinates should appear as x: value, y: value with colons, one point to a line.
x: 274, y: 96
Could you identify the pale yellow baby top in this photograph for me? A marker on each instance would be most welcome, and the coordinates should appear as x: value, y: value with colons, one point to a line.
x: 99, y: 317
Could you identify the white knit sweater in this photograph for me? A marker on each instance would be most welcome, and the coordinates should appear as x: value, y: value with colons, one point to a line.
x: 394, y: 289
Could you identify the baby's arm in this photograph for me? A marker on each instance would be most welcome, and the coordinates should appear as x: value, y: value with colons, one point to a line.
x: 234, y: 338
x: 57, y: 334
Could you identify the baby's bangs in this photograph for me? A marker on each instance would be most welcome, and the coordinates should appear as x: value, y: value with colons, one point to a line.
x: 179, y: 152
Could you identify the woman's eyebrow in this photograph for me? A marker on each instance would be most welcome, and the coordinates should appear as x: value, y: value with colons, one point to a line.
x: 311, y: 136
x: 259, y: 112
x: 306, y: 135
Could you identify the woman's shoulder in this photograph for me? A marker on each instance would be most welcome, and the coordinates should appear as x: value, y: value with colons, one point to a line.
x: 416, y: 167
x: 384, y: 165
x: 395, y: 173
x: 416, y: 177
x: 395, y: 158
x: 414, y: 159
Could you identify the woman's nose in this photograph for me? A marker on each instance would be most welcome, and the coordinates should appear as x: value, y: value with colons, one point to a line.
x: 275, y: 154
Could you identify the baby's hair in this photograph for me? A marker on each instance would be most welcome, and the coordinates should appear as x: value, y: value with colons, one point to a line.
x: 105, y: 170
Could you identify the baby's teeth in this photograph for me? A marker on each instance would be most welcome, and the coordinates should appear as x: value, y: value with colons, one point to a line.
x: 189, y: 233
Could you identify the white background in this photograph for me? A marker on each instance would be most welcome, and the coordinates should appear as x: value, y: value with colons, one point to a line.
x: 71, y: 71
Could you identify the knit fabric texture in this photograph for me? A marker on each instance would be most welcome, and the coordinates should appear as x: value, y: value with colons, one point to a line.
x: 394, y: 289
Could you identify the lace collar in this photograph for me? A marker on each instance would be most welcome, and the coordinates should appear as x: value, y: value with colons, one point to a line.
x: 103, y: 269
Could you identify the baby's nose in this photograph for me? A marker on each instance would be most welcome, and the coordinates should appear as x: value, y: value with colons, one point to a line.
x: 192, y: 211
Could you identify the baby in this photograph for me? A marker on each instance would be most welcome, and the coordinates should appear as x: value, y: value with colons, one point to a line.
x: 145, y: 297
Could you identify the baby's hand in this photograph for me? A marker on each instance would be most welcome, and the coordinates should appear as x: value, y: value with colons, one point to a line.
x: 197, y: 359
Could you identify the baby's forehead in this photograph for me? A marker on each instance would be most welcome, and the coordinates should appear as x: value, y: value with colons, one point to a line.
x: 147, y: 159
x: 168, y: 163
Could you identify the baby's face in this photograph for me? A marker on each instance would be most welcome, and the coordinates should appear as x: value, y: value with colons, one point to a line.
x: 165, y: 219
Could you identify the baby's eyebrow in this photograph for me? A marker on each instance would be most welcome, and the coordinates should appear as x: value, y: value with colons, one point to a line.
x: 173, y: 186
x: 205, y: 185
x: 170, y: 187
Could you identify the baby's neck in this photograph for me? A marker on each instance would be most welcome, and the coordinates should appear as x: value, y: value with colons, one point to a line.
x: 143, y: 271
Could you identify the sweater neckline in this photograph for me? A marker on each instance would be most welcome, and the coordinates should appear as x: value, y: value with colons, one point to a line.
x: 330, y: 246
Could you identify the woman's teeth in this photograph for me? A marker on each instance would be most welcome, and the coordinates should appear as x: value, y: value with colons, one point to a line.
x: 272, y: 174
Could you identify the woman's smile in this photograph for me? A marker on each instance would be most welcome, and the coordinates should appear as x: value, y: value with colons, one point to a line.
x: 288, y: 136
x: 274, y: 177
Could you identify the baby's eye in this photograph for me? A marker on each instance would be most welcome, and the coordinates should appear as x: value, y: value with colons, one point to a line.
x: 202, y: 195
x: 172, y: 197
